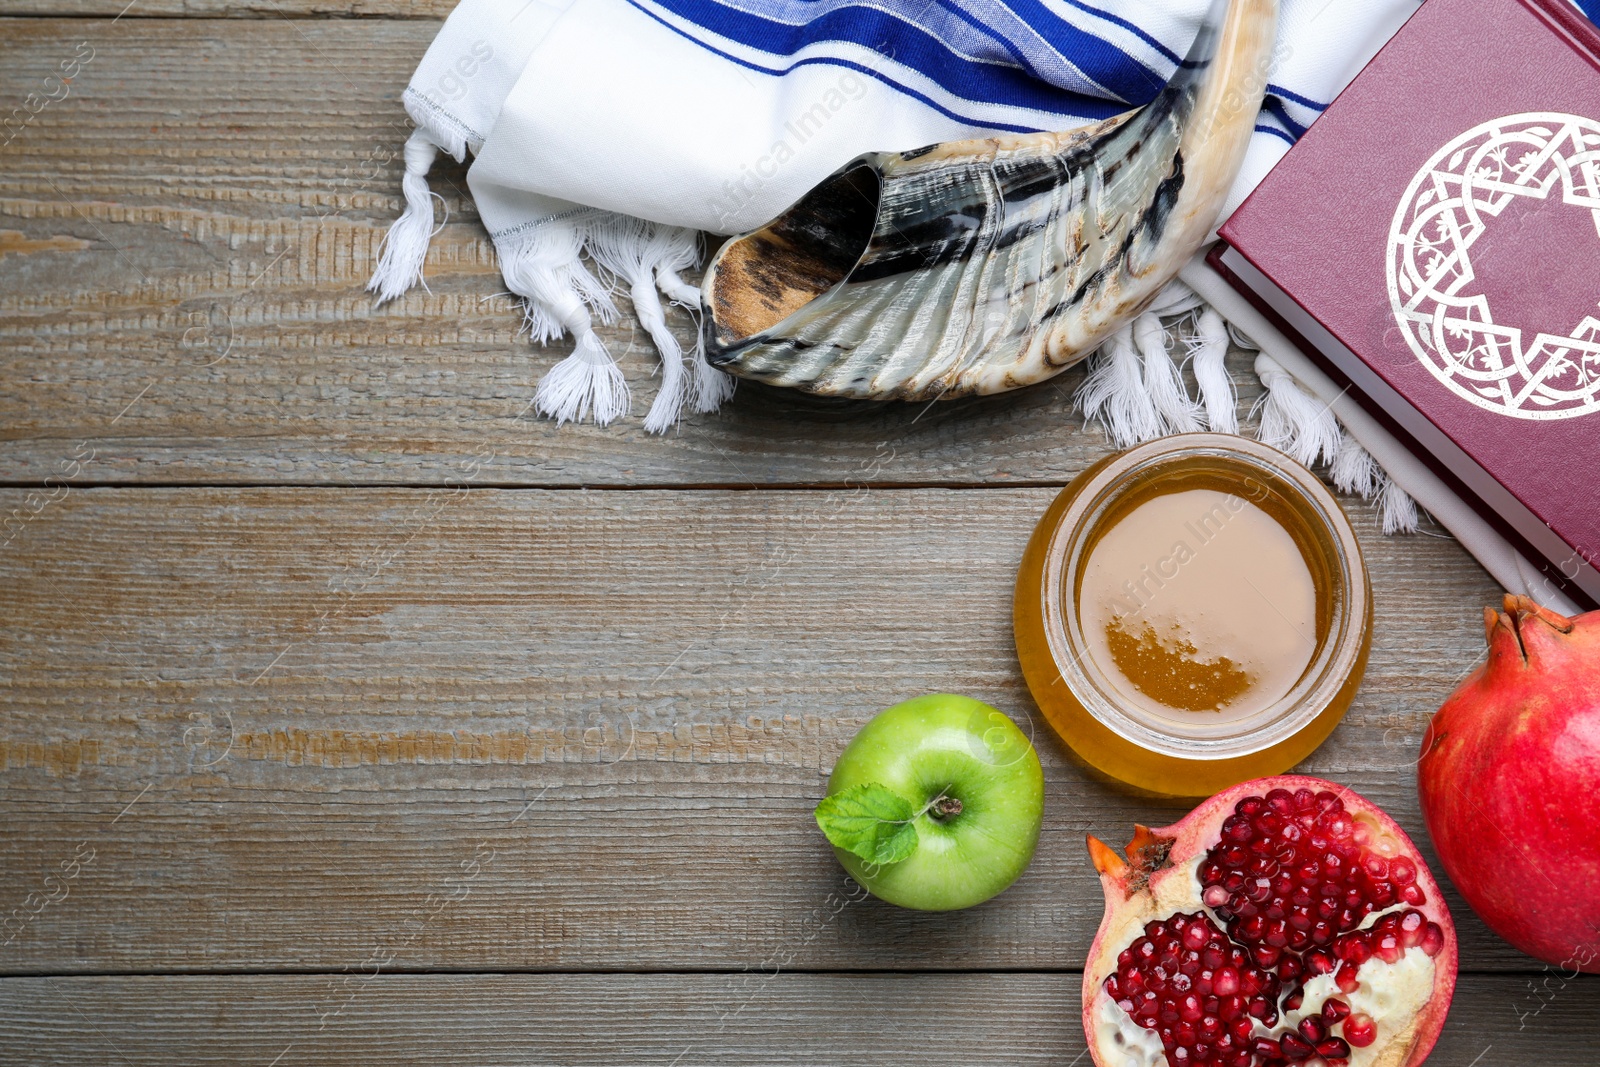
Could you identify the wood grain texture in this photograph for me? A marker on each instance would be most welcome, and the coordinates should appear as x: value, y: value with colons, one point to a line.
x: 969, y: 1020
x: 550, y: 730
x: 184, y: 242
x: 432, y: 10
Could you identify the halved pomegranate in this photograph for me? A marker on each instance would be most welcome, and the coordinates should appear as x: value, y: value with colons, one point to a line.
x: 1286, y: 920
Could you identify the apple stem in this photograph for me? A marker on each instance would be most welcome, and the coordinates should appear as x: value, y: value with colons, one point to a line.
x: 943, y: 807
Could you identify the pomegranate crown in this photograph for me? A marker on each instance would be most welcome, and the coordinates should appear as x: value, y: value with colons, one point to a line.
x: 1147, y: 853
x: 1524, y: 631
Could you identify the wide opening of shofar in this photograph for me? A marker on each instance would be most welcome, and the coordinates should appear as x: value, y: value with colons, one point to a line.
x: 765, y: 276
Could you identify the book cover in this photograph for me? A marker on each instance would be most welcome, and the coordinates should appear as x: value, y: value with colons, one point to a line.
x: 1441, y: 225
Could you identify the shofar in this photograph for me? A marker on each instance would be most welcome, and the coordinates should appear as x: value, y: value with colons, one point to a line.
x: 986, y: 265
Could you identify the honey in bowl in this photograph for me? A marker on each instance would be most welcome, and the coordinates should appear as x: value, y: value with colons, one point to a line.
x: 1192, y: 613
x: 1199, y: 603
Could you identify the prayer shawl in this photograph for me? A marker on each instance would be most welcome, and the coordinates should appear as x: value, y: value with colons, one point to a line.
x: 622, y: 128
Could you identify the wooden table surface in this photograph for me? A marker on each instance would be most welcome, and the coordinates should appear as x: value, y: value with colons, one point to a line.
x: 352, y: 713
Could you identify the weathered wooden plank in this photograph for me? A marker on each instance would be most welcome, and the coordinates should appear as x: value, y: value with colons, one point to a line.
x: 184, y: 241
x: 233, y: 9
x: 548, y: 729
x: 659, y: 1020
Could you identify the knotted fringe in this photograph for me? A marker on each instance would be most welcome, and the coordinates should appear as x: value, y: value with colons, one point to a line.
x: 1296, y: 423
x: 1114, y: 395
x: 1208, y: 348
x: 1136, y: 391
x: 648, y: 257
x: 708, y: 386
x: 630, y: 249
x: 1292, y: 421
x: 1177, y: 413
x: 542, y: 266
x: 405, y: 246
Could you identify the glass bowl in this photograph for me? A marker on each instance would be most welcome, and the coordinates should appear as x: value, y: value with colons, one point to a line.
x: 1184, y: 756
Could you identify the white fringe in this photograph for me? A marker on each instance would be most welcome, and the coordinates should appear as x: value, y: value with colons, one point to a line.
x: 1114, y: 395
x: 543, y: 266
x: 635, y: 250
x: 1398, y: 509
x: 1293, y: 421
x: 1297, y: 423
x: 708, y: 387
x: 1178, y: 413
x: 1208, y: 349
x: 1354, y: 470
x: 405, y: 246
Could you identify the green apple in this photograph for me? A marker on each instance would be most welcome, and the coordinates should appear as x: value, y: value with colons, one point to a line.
x: 935, y: 804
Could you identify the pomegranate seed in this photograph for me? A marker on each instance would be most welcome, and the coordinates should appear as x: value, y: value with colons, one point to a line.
x: 1266, y: 1048
x: 1432, y: 939
x: 1388, y: 949
x: 1313, y: 1029
x: 1295, y: 1048
x: 1333, y: 1048
x: 1360, y: 1030
x: 1402, y: 871
x: 1345, y: 978
x: 1215, y: 896
x: 1334, y: 1009
x: 1226, y: 982
x: 1413, y: 895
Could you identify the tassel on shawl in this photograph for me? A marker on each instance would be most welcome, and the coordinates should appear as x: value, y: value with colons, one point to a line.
x: 1114, y: 394
x: 405, y: 246
x: 1208, y: 349
x: 632, y: 249
x: 1297, y: 423
x: 1177, y: 413
x: 708, y: 386
x: 1292, y: 421
x: 648, y: 257
x: 1133, y: 389
x: 542, y: 265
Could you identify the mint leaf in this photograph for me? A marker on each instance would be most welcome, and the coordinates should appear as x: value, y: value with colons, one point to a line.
x: 872, y: 821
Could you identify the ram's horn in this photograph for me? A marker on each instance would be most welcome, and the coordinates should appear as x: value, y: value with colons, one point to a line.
x: 986, y: 265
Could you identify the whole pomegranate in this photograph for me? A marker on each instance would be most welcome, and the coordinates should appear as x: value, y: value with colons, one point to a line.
x: 1510, y: 783
x: 1284, y: 920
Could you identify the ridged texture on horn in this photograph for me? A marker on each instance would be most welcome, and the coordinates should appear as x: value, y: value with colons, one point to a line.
x: 986, y: 265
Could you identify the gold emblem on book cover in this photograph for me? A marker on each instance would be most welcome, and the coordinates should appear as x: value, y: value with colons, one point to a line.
x: 1496, y: 188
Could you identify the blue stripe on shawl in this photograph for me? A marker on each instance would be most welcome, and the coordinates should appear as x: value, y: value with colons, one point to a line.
x: 1005, y: 53
x: 1025, y: 25
x: 1093, y: 109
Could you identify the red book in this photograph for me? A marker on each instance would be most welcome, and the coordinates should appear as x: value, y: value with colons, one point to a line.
x: 1434, y: 241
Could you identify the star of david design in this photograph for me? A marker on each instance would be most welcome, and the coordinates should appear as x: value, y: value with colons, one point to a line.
x: 1551, y: 369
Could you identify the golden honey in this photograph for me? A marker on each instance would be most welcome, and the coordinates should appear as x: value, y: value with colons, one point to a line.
x: 1193, y: 613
